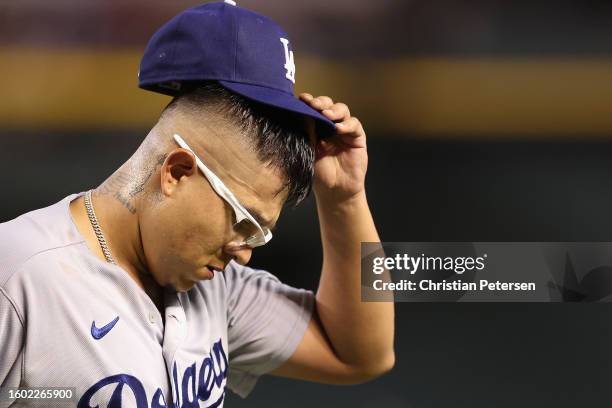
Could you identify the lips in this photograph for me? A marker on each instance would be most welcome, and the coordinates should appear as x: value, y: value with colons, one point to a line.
x: 215, y: 268
x: 211, y: 270
x: 206, y: 272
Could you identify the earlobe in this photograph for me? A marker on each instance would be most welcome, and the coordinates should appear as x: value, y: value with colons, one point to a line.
x: 178, y: 164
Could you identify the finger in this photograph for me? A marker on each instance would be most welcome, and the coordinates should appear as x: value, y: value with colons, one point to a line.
x: 338, y: 111
x: 322, y: 102
x: 351, y: 125
x: 306, y: 97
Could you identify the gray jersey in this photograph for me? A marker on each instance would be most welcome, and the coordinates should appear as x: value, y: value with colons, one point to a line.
x: 69, y: 319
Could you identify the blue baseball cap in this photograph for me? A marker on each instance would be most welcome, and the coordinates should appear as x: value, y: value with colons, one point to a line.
x: 247, y: 53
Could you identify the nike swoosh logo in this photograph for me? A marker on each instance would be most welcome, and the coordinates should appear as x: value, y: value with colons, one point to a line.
x: 98, y: 333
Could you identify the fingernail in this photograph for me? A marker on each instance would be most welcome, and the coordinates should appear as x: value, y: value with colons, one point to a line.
x: 328, y: 111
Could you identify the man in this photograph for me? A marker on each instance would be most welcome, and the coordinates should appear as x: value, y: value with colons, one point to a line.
x: 136, y: 293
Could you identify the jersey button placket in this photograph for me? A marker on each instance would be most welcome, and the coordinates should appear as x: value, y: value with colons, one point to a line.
x: 174, y: 334
x: 152, y: 318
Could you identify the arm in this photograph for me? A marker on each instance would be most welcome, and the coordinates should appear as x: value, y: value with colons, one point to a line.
x: 347, y: 341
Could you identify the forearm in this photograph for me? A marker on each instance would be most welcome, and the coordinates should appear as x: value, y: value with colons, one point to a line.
x: 361, y: 333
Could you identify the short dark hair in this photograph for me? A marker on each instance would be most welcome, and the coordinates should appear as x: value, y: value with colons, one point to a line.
x: 279, y: 136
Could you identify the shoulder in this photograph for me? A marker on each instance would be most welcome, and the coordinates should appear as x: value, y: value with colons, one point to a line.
x: 236, y: 284
x: 252, y: 290
x: 236, y: 274
x: 33, y: 236
x: 234, y: 277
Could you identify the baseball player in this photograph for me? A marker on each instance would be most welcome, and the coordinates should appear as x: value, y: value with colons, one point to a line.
x: 136, y: 293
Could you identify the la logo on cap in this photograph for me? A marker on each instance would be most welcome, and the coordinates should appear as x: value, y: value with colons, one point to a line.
x: 289, y: 61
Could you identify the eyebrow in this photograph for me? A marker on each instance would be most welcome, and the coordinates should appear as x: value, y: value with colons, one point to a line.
x: 260, y: 219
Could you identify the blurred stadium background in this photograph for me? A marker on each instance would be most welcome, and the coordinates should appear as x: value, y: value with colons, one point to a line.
x: 488, y: 120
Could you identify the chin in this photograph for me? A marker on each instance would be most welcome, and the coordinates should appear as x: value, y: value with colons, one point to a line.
x: 184, y: 286
x: 182, y: 283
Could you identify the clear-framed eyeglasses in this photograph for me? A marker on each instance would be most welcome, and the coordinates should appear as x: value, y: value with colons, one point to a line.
x: 262, y: 235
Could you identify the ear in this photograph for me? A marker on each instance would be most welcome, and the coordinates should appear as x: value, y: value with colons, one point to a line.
x: 179, y: 163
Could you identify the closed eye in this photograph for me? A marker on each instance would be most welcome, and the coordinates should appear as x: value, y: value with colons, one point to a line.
x: 245, y: 227
x: 263, y: 222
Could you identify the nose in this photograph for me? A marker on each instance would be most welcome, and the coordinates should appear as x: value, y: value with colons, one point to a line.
x: 240, y: 253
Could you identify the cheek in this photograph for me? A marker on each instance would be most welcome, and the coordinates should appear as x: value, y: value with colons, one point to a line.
x: 183, y: 235
x: 195, y: 240
x: 200, y: 233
